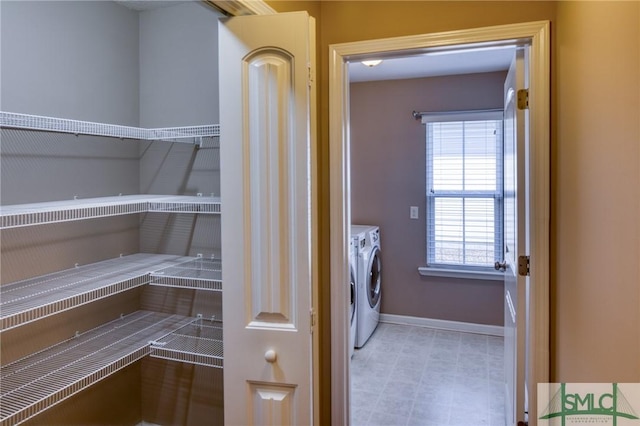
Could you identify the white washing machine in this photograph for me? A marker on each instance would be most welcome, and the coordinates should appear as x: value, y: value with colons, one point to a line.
x: 354, y: 244
x: 369, y: 282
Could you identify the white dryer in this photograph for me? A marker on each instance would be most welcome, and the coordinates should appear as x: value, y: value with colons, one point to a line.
x: 354, y: 244
x: 369, y: 282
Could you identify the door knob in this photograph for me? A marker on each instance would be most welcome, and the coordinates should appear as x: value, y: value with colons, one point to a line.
x: 271, y: 356
x: 500, y: 266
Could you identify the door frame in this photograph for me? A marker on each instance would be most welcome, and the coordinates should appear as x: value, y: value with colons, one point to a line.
x: 537, y: 35
x: 242, y: 7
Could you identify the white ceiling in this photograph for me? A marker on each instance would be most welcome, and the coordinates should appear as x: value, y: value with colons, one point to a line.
x: 148, y: 4
x: 435, y: 64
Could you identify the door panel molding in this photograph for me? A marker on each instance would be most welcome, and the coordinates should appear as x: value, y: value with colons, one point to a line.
x: 268, y: 88
x: 537, y: 36
x: 271, y: 404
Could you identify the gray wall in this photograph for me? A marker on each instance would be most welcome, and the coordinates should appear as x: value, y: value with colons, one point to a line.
x: 75, y: 60
x: 388, y: 175
x: 70, y: 59
x: 179, y: 87
x: 179, y: 66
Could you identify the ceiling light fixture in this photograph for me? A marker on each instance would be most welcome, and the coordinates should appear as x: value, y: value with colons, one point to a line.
x: 372, y: 63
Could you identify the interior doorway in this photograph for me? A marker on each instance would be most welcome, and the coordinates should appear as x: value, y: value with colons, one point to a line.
x: 432, y: 120
x: 536, y: 36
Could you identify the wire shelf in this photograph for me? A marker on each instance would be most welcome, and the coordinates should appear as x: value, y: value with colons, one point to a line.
x: 29, y: 300
x: 34, y: 383
x: 199, y: 274
x: 189, y: 134
x: 19, y: 215
x: 197, y: 343
x: 177, y: 133
x: 186, y: 204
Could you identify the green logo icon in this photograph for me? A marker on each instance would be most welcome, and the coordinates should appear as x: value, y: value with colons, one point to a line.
x: 565, y: 404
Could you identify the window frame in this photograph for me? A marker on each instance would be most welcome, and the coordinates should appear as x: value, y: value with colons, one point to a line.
x: 459, y: 269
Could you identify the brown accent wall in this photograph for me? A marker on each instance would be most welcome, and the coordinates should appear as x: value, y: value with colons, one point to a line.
x: 595, y: 161
x: 388, y: 175
x: 595, y: 213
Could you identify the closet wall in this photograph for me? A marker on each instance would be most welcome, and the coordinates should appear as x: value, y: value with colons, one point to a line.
x: 78, y: 60
x: 65, y: 59
x: 179, y: 87
x: 100, y: 61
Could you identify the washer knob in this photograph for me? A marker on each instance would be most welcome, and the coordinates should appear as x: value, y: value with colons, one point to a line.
x: 270, y: 356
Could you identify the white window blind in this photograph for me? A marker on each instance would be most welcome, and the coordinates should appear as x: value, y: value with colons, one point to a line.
x: 464, y: 189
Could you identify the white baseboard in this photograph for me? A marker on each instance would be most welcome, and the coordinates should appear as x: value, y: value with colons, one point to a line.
x: 465, y: 327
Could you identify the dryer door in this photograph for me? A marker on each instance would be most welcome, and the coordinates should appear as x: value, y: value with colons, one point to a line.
x: 352, y: 289
x: 373, y: 277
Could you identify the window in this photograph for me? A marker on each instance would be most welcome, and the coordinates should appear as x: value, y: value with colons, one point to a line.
x: 464, y: 190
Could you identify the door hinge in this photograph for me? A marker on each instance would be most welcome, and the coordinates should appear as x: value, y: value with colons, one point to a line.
x: 523, y: 99
x: 310, y: 71
x: 524, y: 263
x: 313, y: 319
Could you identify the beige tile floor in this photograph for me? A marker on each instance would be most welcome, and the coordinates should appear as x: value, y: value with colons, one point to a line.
x: 416, y: 376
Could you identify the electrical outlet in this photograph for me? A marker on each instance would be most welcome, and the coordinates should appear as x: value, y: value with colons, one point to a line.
x: 413, y: 212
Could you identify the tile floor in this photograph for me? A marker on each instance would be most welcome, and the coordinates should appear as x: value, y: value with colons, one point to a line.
x: 416, y: 376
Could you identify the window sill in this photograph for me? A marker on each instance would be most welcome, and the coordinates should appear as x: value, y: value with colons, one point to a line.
x: 460, y: 273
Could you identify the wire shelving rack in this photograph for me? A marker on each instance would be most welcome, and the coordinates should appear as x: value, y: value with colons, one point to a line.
x: 34, y: 383
x: 197, y: 343
x: 198, y: 273
x: 35, y: 298
x: 19, y: 215
x: 188, y: 134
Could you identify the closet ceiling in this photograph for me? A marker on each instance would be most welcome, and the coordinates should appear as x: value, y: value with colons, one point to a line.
x: 434, y: 64
x: 147, y: 4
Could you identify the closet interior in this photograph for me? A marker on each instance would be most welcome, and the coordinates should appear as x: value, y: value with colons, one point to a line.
x: 111, y: 284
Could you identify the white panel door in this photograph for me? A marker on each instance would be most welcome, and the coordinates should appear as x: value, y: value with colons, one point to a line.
x: 514, y: 242
x: 266, y: 92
